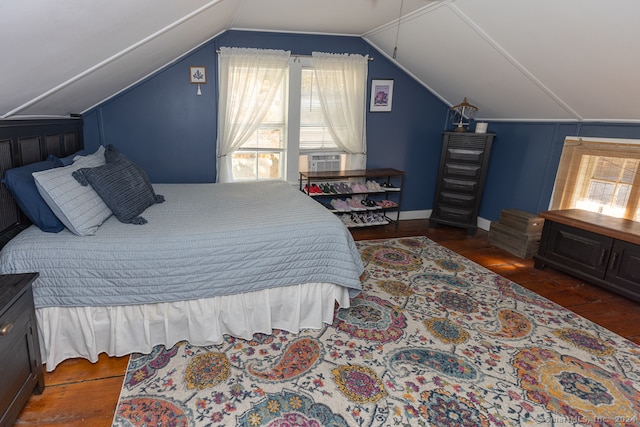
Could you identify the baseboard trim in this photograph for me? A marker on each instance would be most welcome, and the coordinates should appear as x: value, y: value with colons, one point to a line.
x: 482, y: 223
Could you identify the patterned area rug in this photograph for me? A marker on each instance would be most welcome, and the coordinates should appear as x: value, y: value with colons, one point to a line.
x: 434, y: 339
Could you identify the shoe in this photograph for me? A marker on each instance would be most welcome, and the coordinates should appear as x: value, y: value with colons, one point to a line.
x: 315, y: 189
x: 387, y: 204
x: 344, y: 205
x: 354, y: 205
x: 346, y: 220
x: 369, y: 203
x: 389, y: 186
x: 357, y: 220
x: 373, y: 186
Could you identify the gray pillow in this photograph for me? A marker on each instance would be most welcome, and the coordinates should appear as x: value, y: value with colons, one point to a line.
x: 123, y: 186
x: 79, y: 208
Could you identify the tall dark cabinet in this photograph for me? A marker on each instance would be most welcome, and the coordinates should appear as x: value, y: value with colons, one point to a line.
x: 463, y: 169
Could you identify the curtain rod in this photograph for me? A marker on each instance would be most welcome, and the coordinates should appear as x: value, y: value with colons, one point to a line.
x: 302, y: 56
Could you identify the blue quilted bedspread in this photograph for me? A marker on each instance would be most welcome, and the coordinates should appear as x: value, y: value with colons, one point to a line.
x: 205, y: 240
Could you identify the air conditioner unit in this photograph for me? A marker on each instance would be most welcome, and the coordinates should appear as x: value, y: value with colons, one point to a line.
x: 324, y: 162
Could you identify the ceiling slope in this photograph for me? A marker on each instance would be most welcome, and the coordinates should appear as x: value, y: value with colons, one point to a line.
x: 75, y: 54
x: 515, y: 60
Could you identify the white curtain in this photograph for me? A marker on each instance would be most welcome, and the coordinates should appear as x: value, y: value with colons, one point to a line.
x: 249, y: 80
x: 342, y: 89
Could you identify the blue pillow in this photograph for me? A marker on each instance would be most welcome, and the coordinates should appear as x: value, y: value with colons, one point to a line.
x: 122, y: 185
x: 22, y: 187
x: 67, y: 161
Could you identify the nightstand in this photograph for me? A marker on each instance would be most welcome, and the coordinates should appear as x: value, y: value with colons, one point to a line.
x: 21, y: 372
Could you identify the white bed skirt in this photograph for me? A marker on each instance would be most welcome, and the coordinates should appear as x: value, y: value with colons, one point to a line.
x: 70, y: 332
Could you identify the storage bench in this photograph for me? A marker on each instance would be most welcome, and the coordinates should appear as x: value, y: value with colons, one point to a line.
x: 597, y: 248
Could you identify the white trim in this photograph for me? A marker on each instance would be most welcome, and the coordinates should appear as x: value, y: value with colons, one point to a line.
x: 482, y: 223
x: 604, y: 140
x: 410, y: 214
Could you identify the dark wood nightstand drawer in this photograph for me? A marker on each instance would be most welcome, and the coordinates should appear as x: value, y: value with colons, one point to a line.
x: 21, y: 369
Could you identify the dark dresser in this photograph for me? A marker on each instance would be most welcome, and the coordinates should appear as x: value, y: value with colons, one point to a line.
x: 600, y: 249
x: 21, y: 372
x: 463, y: 168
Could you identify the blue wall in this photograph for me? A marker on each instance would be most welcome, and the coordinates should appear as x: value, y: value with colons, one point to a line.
x: 524, y: 161
x: 167, y: 129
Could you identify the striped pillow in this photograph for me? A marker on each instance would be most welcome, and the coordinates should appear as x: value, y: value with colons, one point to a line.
x: 79, y: 208
x: 123, y: 186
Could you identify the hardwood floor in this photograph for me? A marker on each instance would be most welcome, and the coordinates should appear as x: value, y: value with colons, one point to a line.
x: 80, y: 393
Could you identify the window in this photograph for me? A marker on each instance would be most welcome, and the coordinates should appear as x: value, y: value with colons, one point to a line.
x: 314, y: 131
x: 273, y: 141
x: 262, y: 155
x: 599, y: 175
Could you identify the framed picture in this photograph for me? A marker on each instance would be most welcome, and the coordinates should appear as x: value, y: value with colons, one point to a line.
x: 198, y: 75
x: 381, y: 95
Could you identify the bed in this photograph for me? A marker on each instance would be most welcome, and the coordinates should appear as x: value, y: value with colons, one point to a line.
x: 211, y: 260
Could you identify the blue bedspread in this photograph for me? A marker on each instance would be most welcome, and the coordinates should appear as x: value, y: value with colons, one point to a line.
x: 205, y: 240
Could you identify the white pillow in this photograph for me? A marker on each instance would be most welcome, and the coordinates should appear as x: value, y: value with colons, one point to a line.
x: 79, y: 208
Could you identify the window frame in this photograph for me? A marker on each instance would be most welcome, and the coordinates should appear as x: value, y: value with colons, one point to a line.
x: 293, y: 156
x: 573, y: 179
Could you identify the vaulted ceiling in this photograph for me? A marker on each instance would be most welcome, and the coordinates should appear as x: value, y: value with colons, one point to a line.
x: 543, y: 60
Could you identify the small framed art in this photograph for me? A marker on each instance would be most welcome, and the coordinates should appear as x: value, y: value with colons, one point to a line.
x: 381, y: 95
x: 198, y: 75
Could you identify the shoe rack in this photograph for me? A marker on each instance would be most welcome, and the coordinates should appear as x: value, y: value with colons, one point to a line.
x: 361, y: 198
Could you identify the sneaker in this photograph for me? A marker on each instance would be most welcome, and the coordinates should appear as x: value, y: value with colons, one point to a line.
x: 344, y: 205
x: 346, y: 220
x: 357, y: 220
x: 373, y: 186
x: 389, y: 186
x: 369, y: 203
x: 354, y: 205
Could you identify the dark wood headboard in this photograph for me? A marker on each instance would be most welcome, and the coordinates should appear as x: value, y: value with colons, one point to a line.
x: 28, y: 141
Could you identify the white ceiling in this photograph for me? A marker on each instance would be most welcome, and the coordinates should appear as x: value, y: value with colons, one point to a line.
x: 516, y: 60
